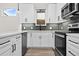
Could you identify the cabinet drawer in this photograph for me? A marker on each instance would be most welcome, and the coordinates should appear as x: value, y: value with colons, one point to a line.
x: 69, y: 54
x: 73, y: 44
x: 2, y: 40
x: 72, y: 48
x: 15, y: 37
x: 5, y: 49
x: 7, y: 53
x: 73, y: 38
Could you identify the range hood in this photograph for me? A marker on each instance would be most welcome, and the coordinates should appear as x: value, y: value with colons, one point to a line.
x: 40, y: 22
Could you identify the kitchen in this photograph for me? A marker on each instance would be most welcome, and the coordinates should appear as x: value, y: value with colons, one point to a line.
x: 39, y: 29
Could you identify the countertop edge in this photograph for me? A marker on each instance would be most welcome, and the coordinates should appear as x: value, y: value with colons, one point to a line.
x: 2, y: 35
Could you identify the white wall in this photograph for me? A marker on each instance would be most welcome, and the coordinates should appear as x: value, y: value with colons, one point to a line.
x: 8, y: 23
x: 40, y: 5
x: 8, y: 5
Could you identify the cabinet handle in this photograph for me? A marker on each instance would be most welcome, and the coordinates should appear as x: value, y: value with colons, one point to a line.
x: 12, y: 48
x: 73, y: 42
x: 5, y: 42
x: 71, y: 53
x: 18, y: 37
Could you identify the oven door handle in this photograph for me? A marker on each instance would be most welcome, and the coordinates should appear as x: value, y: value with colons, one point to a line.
x: 62, y: 36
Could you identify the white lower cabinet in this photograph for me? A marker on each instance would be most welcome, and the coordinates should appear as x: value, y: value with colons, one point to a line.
x: 5, y: 47
x: 72, y: 46
x: 7, y: 52
x: 46, y: 39
x: 16, y: 46
x: 40, y: 39
x: 29, y: 40
x: 36, y: 39
x: 11, y: 46
x: 33, y: 39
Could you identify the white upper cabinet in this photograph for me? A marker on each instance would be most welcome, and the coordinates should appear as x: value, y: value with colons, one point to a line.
x: 52, y: 13
x: 26, y: 13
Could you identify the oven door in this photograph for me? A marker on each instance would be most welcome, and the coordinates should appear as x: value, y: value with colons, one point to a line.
x: 60, y: 44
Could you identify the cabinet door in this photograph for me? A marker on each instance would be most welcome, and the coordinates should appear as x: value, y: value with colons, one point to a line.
x: 46, y: 39
x: 35, y: 39
x: 7, y: 53
x: 26, y: 13
x: 16, y: 45
x: 18, y: 48
x: 52, y: 13
x: 52, y: 40
x: 29, y: 39
x: 72, y: 45
x: 13, y: 40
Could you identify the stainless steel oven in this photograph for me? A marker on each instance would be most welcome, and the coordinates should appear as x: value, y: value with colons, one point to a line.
x: 60, y: 39
x: 60, y: 44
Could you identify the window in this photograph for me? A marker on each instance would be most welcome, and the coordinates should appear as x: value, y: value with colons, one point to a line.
x: 9, y: 12
x: 40, y: 13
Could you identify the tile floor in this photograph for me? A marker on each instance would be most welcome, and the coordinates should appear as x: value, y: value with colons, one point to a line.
x: 40, y: 52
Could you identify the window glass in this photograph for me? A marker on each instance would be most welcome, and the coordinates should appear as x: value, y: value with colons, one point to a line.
x: 9, y: 12
x: 40, y: 13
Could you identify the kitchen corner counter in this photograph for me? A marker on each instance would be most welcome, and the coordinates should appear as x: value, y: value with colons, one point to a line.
x: 10, y: 33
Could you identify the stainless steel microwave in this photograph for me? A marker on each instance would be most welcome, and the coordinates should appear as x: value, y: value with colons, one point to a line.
x: 70, y: 10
